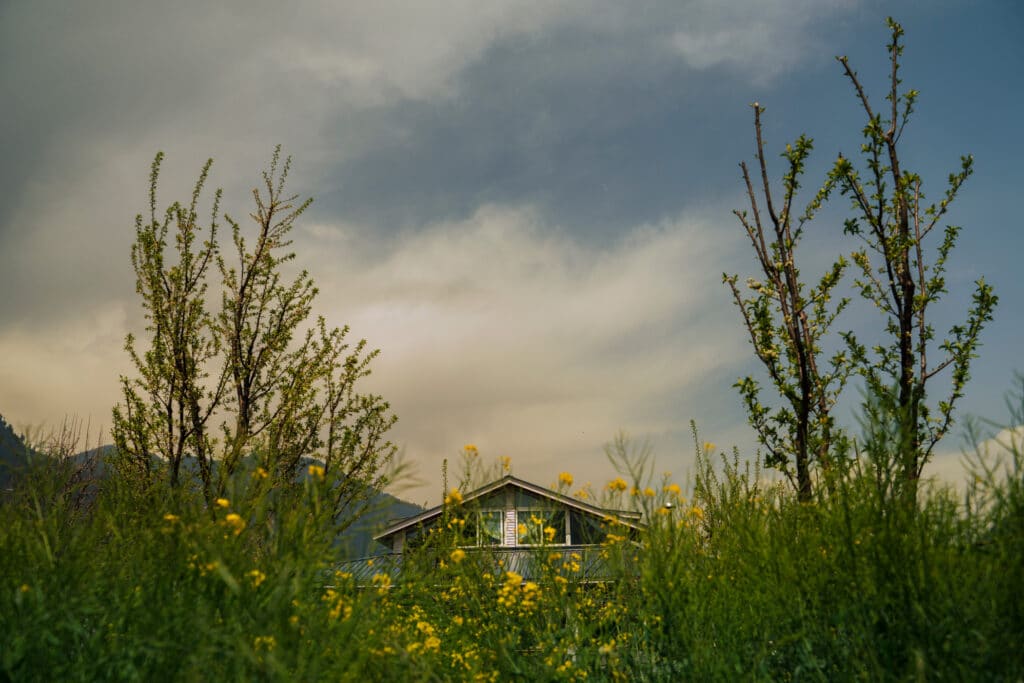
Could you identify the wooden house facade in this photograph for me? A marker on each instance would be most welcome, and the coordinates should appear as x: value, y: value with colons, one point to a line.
x: 509, y: 519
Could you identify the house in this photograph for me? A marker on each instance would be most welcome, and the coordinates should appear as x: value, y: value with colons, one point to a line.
x: 509, y: 520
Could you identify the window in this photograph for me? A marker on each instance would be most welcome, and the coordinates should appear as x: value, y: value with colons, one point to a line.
x: 585, y: 529
x: 482, y: 527
x: 538, y: 526
x: 491, y: 527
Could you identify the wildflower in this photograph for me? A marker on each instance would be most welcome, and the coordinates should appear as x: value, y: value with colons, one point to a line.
x: 222, y: 502
x: 458, y: 555
x: 454, y: 497
x: 618, y: 484
x: 708, y: 446
x: 256, y: 576
x: 25, y: 588
x: 565, y: 479
x: 260, y: 473
x: 649, y: 492
x: 235, y: 520
x: 264, y: 643
x: 316, y: 471
x: 382, y: 582
x: 506, y: 463
x: 697, y: 512
x: 549, y: 533
x: 171, y: 518
x: 674, y: 490
x: 471, y: 450
x: 432, y: 643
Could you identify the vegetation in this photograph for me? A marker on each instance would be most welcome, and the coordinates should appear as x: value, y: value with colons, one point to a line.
x: 278, y: 400
x: 787, y: 321
x: 743, y: 580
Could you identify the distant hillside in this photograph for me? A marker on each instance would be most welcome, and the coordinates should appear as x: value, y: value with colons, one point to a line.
x: 384, y: 508
x: 357, y: 540
x: 13, y: 454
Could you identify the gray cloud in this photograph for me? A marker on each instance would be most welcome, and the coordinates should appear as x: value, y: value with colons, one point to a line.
x: 524, y: 204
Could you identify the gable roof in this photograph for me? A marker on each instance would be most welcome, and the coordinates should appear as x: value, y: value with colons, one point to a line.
x: 627, y: 517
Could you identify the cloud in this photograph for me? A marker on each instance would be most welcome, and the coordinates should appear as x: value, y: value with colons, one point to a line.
x: 503, y: 331
x: 526, y: 242
x: 716, y: 34
x: 69, y: 370
x: 991, y: 458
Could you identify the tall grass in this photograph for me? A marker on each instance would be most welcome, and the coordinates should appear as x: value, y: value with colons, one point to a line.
x: 733, y: 578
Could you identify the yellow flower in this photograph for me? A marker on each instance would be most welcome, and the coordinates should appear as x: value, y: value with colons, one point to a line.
x: 674, y: 490
x: 316, y: 471
x: 549, y: 532
x: 264, y: 643
x: 222, y: 502
x: 506, y: 463
x: 649, y: 492
x: 432, y: 643
x: 260, y: 473
x: 382, y: 582
x: 25, y: 588
x: 708, y: 446
x: 565, y: 479
x: 171, y: 518
x: 618, y: 484
x: 256, y: 576
x: 235, y: 520
x: 697, y: 512
x: 458, y: 555
x: 454, y: 497
x: 471, y: 449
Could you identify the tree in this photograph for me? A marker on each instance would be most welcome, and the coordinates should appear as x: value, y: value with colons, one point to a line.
x: 280, y: 394
x: 167, y: 407
x: 893, y: 222
x: 787, y: 322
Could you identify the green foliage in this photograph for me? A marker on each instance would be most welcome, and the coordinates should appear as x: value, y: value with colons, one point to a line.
x: 282, y: 389
x: 745, y: 581
x: 893, y: 221
x: 787, y: 322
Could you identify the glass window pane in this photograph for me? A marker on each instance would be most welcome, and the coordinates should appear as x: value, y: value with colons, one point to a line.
x: 538, y: 527
x: 491, y: 527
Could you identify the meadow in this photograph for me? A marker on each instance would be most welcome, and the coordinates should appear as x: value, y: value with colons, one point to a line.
x: 732, y: 579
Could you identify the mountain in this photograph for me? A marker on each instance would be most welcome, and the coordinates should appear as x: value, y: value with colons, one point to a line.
x: 13, y: 454
x: 357, y: 539
x: 384, y: 508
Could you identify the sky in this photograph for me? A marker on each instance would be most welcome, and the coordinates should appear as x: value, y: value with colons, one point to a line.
x: 526, y: 206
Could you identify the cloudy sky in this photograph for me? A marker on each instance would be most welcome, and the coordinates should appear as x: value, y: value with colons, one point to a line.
x: 525, y: 205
